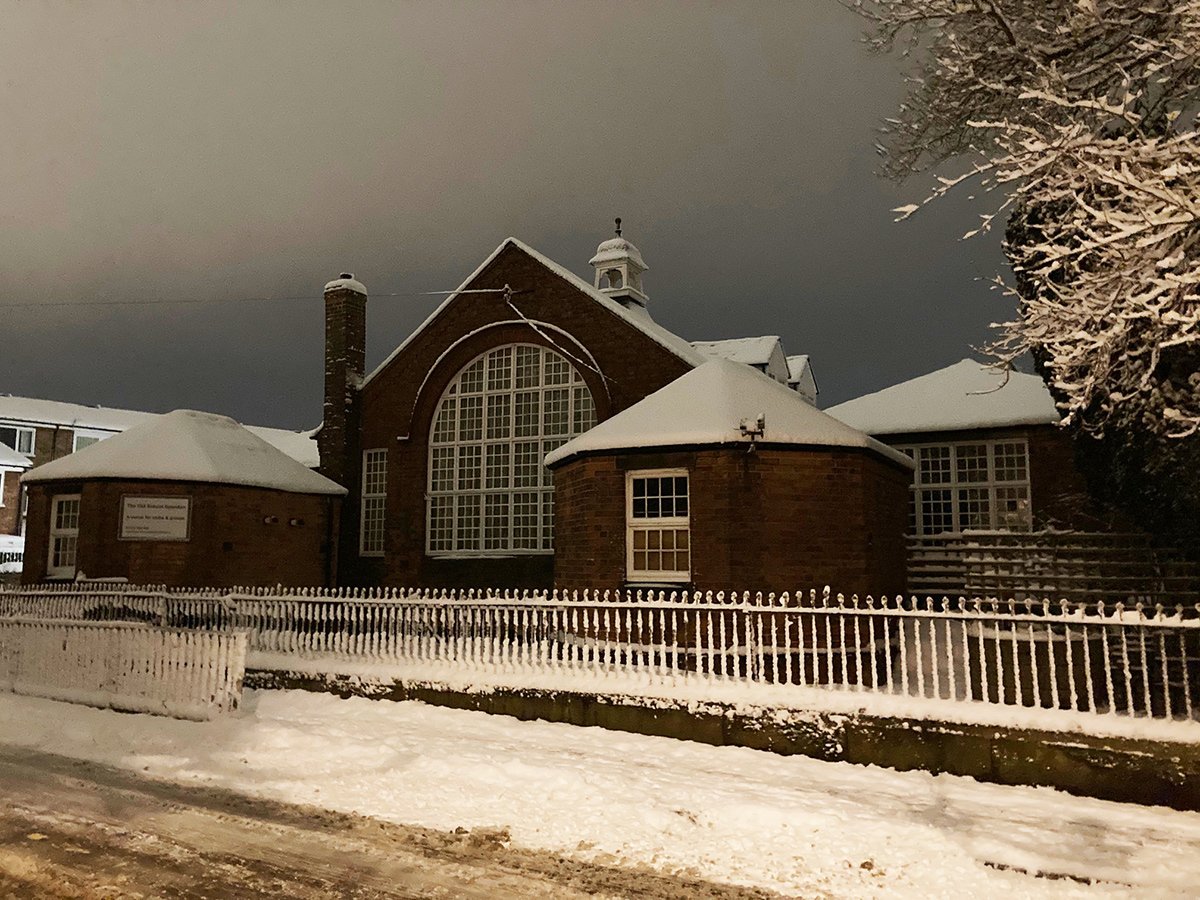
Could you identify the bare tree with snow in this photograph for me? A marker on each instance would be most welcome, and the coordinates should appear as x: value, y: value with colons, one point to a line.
x: 1083, y: 119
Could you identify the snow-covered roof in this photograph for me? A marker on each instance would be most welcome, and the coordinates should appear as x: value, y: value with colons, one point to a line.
x: 753, y: 351
x: 801, y: 378
x: 11, y: 459
x: 346, y: 280
x: 299, y: 445
x: 639, y: 319
x: 965, y: 395
x: 615, y: 250
x: 708, y: 406
x: 185, y: 445
x: 765, y: 352
x: 798, y: 366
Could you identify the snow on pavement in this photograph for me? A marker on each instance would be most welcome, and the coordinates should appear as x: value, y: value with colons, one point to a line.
x: 791, y: 824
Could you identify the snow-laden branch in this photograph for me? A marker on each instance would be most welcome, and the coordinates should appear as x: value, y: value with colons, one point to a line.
x: 1083, y: 116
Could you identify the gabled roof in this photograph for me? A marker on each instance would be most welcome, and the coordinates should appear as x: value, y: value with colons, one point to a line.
x: 33, y: 411
x: 753, y: 351
x: 11, y: 459
x: 707, y: 406
x: 765, y: 352
x: 965, y: 395
x: 639, y: 319
x: 185, y: 445
x: 801, y: 378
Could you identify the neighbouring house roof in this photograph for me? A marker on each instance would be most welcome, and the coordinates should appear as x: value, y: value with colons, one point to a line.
x: 32, y: 411
x: 753, y: 351
x: 801, y: 378
x: 11, y: 459
x: 965, y: 395
x: 708, y: 405
x: 765, y: 352
x: 639, y: 319
x: 185, y: 445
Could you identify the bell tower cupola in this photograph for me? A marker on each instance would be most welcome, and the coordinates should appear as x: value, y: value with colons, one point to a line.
x: 619, y: 269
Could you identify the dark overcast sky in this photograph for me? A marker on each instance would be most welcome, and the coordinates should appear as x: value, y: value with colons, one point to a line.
x: 166, y: 151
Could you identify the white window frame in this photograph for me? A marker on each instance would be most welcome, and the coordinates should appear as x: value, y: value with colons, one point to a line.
x: 659, y: 524
x: 483, y: 512
x: 374, y: 500
x: 953, y: 485
x: 23, y: 429
x: 91, y: 433
x: 2, y: 471
x: 56, y: 532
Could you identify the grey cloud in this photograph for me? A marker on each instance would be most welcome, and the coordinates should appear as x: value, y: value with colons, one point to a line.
x: 158, y: 151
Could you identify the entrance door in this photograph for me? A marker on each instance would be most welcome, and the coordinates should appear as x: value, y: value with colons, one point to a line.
x: 64, y: 536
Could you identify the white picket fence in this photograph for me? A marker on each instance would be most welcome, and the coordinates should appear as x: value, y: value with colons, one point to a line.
x: 1118, y: 660
x: 188, y: 674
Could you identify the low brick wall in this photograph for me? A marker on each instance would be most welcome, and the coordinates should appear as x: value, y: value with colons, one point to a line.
x: 1147, y: 772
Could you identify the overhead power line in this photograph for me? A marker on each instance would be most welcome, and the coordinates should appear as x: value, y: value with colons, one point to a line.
x: 48, y: 304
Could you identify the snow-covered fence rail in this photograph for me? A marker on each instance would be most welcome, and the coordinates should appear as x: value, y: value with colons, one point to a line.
x: 124, y: 665
x: 1124, y: 660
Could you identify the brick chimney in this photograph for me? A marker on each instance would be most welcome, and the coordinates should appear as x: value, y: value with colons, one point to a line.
x: 345, y: 361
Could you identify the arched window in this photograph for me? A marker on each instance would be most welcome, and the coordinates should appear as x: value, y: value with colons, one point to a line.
x: 488, y: 490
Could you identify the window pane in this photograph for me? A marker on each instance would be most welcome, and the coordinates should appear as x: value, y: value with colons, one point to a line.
x: 499, y: 369
x: 528, y: 367
x: 526, y: 420
x: 1012, y: 508
x: 937, y: 512
x: 499, y: 469
x: 934, y: 465
x: 1011, y: 462
x: 495, y: 522
x: 470, y: 418
x: 556, y: 411
x: 441, y: 476
x: 499, y: 416
x: 443, y: 429
x: 974, y: 510
x: 467, y: 520
x: 971, y: 461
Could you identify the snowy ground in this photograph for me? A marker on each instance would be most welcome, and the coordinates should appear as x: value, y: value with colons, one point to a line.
x: 791, y: 824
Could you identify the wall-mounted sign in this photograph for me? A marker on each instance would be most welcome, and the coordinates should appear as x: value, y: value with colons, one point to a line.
x: 155, y: 518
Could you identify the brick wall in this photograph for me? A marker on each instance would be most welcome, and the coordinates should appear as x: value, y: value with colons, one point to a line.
x: 773, y: 520
x: 230, y: 542
x: 49, y: 443
x: 10, y: 502
x: 398, y: 406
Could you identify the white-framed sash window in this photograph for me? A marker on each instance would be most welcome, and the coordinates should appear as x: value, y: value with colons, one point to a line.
x: 64, y: 536
x: 657, y: 525
x: 374, y: 503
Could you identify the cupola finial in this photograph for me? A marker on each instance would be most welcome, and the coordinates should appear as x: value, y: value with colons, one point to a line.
x: 619, y: 267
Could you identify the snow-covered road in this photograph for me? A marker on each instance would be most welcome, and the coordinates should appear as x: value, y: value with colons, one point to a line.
x: 794, y: 825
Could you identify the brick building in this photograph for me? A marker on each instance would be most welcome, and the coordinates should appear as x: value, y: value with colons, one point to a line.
x: 12, y: 465
x: 45, y: 430
x: 727, y: 480
x: 185, y: 498
x: 988, y: 451
x: 442, y: 446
